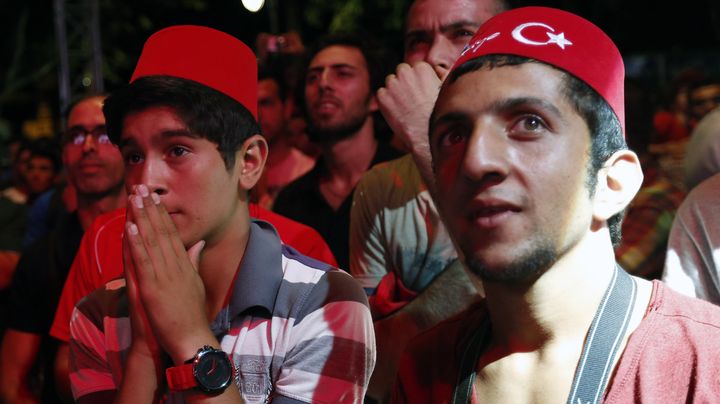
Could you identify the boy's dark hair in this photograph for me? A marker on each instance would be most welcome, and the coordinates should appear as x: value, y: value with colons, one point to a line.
x: 207, y: 112
x: 606, y: 133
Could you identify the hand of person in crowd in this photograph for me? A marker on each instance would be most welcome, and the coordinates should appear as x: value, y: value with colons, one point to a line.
x: 406, y: 102
x: 167, y: 283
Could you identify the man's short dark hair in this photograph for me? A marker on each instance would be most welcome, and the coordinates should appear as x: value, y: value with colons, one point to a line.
x: 500, y: 6
x: 46, y: 148
x: 703, y: 82
x: 266, y: 73
x: 206, y: 111
x: 375, y: 55
x: 75, y: 102
x: 606, y: 133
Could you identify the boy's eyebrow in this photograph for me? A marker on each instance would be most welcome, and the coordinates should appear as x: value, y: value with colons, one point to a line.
x: 165, y: 135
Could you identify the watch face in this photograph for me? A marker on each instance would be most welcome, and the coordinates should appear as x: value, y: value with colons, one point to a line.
x: 213, y: 371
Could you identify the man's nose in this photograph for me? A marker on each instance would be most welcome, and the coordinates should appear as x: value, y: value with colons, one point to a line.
x: 486, y: 157
x: 153, y: 174
x: 441, y: 56
x: 89, y: 143
x: 325, y: 79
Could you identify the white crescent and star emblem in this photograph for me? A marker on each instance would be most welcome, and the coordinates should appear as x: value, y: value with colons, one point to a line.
x: 558, y: 39
x: 472, y: 47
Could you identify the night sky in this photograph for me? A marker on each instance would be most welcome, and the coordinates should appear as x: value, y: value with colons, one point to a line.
x: 687, y: 32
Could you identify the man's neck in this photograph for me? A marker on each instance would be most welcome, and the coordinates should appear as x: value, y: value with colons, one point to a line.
x: 88, y: 209
x: 538, y: 330
x: 559, y: 305
x: 351, y: 156
x: 345, y: 162
x: 278, y: 150
x: 221, y: 257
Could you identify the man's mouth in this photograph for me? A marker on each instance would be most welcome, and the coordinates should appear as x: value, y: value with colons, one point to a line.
x: 89, y: 167
x: 327, y: 104
x: 492, y: 213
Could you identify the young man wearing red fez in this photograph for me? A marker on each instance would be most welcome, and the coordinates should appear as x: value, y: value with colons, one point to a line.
x: 213, y: 307
x: 400, y: 250
x: 533, y: 175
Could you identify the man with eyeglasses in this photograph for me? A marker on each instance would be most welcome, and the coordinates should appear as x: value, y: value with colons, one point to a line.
x: 95, y: 173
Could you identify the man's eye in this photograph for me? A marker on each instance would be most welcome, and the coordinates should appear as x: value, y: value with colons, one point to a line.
x: 132, y: 158
x: 529, y: 124
x: 450, y: 137
x: 453, y: 138
x: 532, y: 123
x: 464, y: 33
x: 178, y: 151
x: 78, y: 139
x: 413, y: 43
x: 103, y: 139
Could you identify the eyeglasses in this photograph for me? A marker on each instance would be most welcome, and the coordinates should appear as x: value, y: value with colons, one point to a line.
x: 77, y: 134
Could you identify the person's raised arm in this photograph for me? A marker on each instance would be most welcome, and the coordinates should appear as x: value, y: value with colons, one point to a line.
x: 406, y: 102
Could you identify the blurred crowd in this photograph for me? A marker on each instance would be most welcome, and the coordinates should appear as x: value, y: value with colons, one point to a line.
x: 350, y: 173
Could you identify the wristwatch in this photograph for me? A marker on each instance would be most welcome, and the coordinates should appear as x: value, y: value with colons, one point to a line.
x: 210, y: 371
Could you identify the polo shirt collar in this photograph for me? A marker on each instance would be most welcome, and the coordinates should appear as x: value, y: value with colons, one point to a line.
x: 258, y: 281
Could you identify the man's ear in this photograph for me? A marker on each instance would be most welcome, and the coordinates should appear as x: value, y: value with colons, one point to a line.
x: 251, y: 158
x: 619, y: 180
x: 373, y: 103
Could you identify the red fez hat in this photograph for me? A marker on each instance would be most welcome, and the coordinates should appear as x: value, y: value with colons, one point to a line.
x: 205, y: 55
x: 560, y: 39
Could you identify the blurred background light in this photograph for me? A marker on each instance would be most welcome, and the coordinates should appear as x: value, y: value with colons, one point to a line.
x: 253, y: 5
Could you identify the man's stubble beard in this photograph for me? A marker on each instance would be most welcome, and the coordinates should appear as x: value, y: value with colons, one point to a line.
x: 98, y: 194
x: 523, y: 269
x: 340, y: 131
x: 333, y: 134
x: 533, y: 263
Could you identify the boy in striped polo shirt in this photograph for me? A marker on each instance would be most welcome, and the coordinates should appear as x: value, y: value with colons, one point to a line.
x: 213, y: 307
